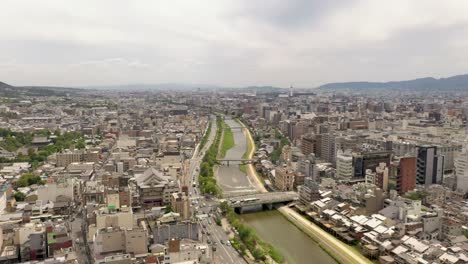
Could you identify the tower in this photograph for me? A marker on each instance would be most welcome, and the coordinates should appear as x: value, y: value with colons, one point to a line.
x: 291, y: 91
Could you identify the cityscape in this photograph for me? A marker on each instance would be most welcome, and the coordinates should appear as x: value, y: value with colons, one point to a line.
x: 184, y: 171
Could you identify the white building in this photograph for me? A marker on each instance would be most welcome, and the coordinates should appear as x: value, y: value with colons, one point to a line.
x: 461, y: 171
x: 344, y: 164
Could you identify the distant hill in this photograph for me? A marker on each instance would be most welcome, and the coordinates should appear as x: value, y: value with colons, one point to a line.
x: 7, y: 90
x: 458, y: 82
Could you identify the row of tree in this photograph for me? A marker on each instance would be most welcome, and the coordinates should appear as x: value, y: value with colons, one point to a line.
x: 206, y: 180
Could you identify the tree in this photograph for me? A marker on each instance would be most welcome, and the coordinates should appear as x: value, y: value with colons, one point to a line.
x: 224, y: 206
x: 19, y: 196
x: 28, y: 179
x: 168, y: 209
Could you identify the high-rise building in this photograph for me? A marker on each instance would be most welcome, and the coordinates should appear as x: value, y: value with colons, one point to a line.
x: 429, y: 165
x: 284, y: 179
x: 405, y: 174
x: 381, y: 176
x: 309, y: 143
x: 461, y: 171
x: 344, y: 164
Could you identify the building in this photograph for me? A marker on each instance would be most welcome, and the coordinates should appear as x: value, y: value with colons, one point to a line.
x: 309, y: 143
x: 381, y: 176
x: 111, y: 240
x: 70, y: 156
x: 429, y: 166
x: 344, y: 165
x: 284, y: 179
x: 180, y: 204
x: 461, y: 171
x: 405, y: 174
x: 155, y: 188
x: 181, y: 230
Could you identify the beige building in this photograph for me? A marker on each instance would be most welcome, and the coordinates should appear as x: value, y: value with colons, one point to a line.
x: 284, y: 178
x: 116, y: 239
x: 68, y: 156
x: 180, y: 204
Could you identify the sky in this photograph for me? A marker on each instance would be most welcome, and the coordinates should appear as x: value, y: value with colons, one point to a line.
x: 232, y: 43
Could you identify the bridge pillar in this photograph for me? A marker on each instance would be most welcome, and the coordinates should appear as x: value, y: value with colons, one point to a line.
x: 228, y: 163
x: 268, y: 206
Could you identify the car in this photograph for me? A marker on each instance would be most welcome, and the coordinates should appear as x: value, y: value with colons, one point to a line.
x: 228, y: 243
x: 222, y: 242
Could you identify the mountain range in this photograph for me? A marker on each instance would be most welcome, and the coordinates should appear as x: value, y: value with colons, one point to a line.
x: 7, y: 90
x: 458, y: 82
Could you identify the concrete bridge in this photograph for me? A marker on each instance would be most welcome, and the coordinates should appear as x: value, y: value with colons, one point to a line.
x: 241, y: 161
x: 261, y: 200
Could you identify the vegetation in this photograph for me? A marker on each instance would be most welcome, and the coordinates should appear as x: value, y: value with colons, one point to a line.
x: 29, y: 179
x: 19, y: 196
x: 417, y: 195
x: 206, y: 180
x: 11, y: 115
x: 15, y: 140
x: 243, y: 168
x: 247, y: 239
x: 205, y: 137
x: 228, y: 140
x: 168, y: 209
x: 275, y: 155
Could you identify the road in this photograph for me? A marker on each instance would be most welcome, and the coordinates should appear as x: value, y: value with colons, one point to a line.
x: 340, y: 249
x: 224, y: 253
x: 76, y: 228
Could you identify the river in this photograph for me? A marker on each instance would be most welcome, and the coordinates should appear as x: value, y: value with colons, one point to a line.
x: 270, y: 226
x: 294, y: 245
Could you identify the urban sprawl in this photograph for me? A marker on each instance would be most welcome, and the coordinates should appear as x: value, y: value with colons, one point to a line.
x: 164, y: 176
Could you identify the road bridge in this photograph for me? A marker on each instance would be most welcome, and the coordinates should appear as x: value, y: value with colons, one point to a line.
x: 263, y: 200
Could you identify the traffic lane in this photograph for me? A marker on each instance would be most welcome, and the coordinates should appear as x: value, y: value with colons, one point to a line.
x: 217, y: 237
x: 219, y: 234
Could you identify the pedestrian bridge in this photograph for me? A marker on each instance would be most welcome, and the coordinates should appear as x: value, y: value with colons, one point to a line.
x: 241, y: 161
x: 263, y: 200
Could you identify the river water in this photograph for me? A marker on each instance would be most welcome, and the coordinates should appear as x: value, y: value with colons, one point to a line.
x: 270, y: 226
x: 294, y: 245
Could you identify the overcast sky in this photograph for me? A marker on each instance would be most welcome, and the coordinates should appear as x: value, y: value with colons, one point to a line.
x: 232, y: 43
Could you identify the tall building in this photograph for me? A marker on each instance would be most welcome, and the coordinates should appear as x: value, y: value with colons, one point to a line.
x: 284, y: 179
x: 180, y: 204
x: 344, y: 164
x: 429, y: 165
x: 461, y: 171
x: 381, y: 176
x: 405, y: 174
x: 309, y: 143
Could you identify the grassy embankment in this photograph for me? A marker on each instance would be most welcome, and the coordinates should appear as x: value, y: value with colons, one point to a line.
x: 228, y: 140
